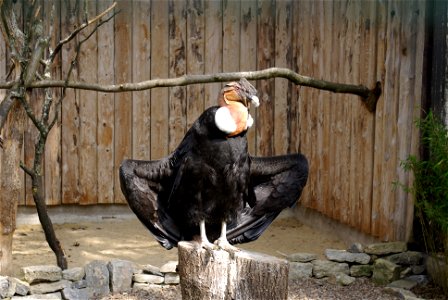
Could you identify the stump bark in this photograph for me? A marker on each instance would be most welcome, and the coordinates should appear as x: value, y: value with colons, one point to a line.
x: 217, y: 274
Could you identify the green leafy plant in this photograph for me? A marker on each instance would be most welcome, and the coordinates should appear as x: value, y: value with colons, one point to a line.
x: 430, y: 191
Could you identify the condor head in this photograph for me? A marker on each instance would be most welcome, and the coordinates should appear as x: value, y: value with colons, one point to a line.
x: 234, y: 100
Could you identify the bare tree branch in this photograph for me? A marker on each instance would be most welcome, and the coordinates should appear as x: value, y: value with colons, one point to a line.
x: 27, y: 170
x: 369, y: 96
x: 78, y: 30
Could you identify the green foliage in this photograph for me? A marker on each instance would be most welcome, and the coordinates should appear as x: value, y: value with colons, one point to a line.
x: 431, y: 173
x: 430, y: 186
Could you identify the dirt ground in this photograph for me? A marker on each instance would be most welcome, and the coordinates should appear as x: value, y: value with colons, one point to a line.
x: 129, y: 240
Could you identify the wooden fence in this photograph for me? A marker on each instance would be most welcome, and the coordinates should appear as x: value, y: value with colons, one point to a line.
x: 354, y: 155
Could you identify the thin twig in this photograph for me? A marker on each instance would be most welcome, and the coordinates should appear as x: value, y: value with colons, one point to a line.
x: 77, y: 30
x: 30, y: 113
x: 27, y: 170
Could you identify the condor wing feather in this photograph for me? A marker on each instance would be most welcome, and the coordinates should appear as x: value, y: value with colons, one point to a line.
x: 277, y: 183
x: 142, y: 183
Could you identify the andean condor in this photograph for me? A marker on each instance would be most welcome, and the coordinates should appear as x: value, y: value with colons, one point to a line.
x: 210, y: 187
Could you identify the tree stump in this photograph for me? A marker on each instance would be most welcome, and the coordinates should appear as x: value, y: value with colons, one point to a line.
x: 217, y: 274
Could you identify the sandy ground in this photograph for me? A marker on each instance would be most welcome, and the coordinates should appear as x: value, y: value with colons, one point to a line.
x: 129, y: 240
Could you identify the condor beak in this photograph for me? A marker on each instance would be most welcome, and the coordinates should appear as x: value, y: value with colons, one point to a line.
x: 255, y: 101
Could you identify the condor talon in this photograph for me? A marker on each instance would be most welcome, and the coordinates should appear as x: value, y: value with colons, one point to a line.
x: 222, y: 241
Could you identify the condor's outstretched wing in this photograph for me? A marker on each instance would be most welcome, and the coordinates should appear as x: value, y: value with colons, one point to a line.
x: 144, y: 184
x: 277, y: 183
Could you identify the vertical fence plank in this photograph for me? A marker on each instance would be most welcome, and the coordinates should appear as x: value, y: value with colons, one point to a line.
x: 332, y: 53
x: 391, y: 92
x: 123, y: 101
x: 356, y: 117
x: 88, y: 101
x: 195, y: 58
x: 294, y: 109
x: 303, y: 66
x: 248, y: 57
x: 367, y: 75
x: 417, y: 89
x: 266, y: 59
x: 105, y: 130
x: 406, y: 113
x: 315, y: 125
x: 340, y: 193
x: 231, y: 36
x: 282, y: 87
x: 141, y: 70
x: 378, y: 171
x: 213, y: 48
x: 335, y: 125
x: 159, y: 69
x: 325, y: 103
x: 177, y: 56
x: 52, y: 167
x: 70, y: 112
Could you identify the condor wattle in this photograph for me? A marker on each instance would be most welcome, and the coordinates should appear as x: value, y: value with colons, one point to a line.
x: 210, y: 188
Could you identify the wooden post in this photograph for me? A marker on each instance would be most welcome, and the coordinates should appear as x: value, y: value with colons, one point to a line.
x: 217, y: 274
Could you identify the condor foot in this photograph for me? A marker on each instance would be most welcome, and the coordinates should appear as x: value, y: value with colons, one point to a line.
x: 223, y: 243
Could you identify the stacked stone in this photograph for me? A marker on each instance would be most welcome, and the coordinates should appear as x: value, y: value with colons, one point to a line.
x: 95, y: 280
x: 151, y: 277
x: 389, y: 264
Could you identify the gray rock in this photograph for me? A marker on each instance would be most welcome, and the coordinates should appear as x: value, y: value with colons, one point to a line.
x: 401, y: 293
x: 361, y: 270
x: 121, y: 272
x: 80, y: 284
x: 97, y: 278
x: 137, y: 287
x: 299, y: 270
x: 385, y: 248
x: 148, y: 278
x: 385, y: 272
x: 343, y: 279
x: 169, y: 267
x: 406, y: 258
x: 150, y: 269
x: 7, y: 288
x: 405, y: 272
x: 77, y: 294
x: 45, y: 273
x: 356, y: 248
x: 4, y: 286
x: 172, y: 278
x: 417, y: 270
x: 73, y: 274
x: 324, y: 268
x: 403, y: 284
x: 150, y: 288
x: 419, y: 279
x: 301, y: 257
x: 50, y: 287
x: 52, y: 296
x: 344, y: 256
x: 22, y: 288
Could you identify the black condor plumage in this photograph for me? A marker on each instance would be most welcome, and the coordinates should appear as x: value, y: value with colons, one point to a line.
x: 210, y: 186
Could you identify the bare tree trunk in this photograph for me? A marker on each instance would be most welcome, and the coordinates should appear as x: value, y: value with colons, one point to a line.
x: 218, y: 275
x: 10, y: 185
x: 41, y: 207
